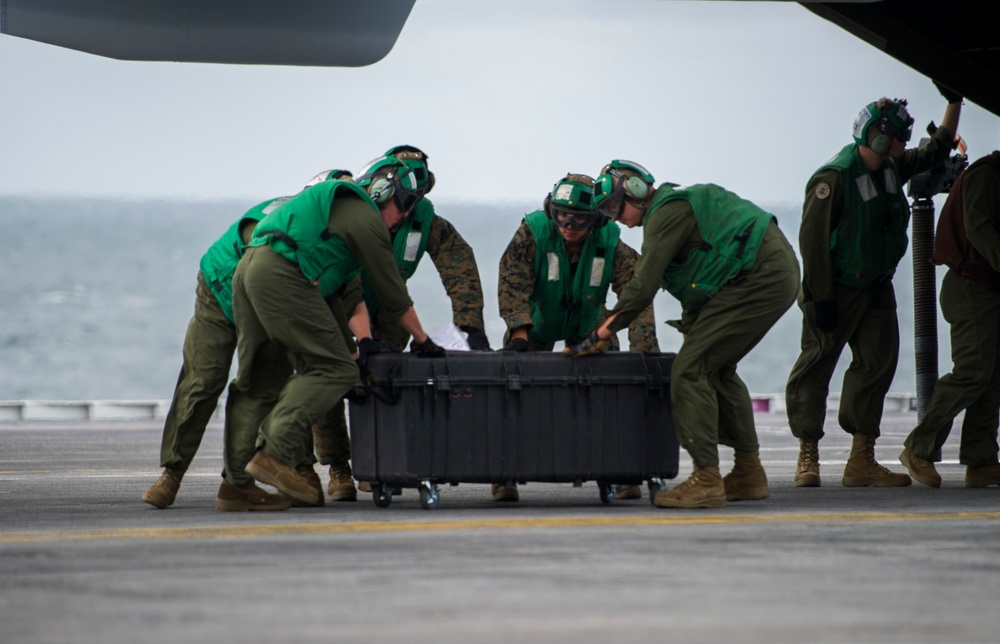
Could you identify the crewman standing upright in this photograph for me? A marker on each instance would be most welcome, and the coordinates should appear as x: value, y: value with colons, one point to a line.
x: 852, y: 236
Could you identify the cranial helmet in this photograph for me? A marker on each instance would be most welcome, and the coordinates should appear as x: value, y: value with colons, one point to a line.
x: 329, y: 175
x: 619, y: 181
x: 571, y: 202
x: 388, y: 178
x: 416, y: 161
x: 882, y: 121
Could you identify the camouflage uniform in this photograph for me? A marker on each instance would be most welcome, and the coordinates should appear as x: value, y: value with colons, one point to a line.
x: 456, y: 264
x: 517, y: 283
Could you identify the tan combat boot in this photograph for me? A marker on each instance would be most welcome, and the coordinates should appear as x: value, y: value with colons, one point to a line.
x: 923, y: 471
x: 341, y: 486
x: 628, y: 492
x: 237, y: 498
x: 501, y: 492
x: 333, y: 446
x: 308, y: 472
x: 807, y: 469
x: 747, y: 481
x: 290, y: 481
x: 162, y: 493
x: 703, y: 489
x: 982, y: 476
x: 862, y: 470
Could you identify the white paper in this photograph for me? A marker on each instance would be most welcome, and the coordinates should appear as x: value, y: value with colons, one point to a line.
x: 450, y: 338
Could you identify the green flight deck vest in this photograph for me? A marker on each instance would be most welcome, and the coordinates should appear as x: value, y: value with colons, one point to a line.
x: 566, y: 303
x: 732, y: 229
x: 871, y: 237
x: 409, y: 244
x: 297, y: 230
x: 219, y: 263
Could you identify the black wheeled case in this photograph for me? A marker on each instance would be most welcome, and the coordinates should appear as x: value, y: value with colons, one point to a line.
x: 503, y: 417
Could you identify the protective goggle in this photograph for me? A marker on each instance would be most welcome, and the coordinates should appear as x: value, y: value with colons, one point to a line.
x: 573, y: 219
x: 405, y: 199
x: 612, y: 206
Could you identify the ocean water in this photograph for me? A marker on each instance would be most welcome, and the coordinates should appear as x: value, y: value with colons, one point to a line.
x: 96, y: 294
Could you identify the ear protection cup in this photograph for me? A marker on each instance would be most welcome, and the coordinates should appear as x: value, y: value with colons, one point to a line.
x: 878, y: 139
x: 881, y: 122
x: 381, y: 190
x: 547, y: 206
x: 636, y: 188
x: 881, y: 143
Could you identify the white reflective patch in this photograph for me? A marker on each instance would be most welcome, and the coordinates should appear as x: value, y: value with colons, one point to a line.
x: 553, y: 267
x: 890, y: 182
x: 866, y: 187
x: 563, y: 193
x: 412, y: 246
x: 859, y: 123
x: 274, y: 204
x: 596, y: 271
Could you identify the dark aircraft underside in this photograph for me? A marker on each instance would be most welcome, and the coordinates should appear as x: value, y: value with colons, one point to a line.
x: 955, y: 43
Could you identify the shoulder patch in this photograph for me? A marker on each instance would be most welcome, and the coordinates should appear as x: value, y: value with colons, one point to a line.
x: 823, y: 190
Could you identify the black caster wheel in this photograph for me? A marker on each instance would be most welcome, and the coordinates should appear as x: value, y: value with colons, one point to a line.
x: 655, y: 485
x: 428, y: 495
x: 607, y: 491
x: 381, y: 494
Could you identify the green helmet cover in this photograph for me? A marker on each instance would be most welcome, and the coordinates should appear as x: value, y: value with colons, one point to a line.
x: 416, y: 160
x: 891, y: 115
x: 387, y: 177
x: 623, y: 180
x: 574, y: 192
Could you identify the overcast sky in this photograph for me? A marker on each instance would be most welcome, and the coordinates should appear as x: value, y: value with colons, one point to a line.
x: 505, y: 97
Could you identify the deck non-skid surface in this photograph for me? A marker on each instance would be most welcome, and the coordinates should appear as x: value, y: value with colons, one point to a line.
x: 82, y: 559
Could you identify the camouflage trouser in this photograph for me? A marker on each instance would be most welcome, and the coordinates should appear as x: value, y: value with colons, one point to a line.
x: 331, y: 439
x: 209, y: 346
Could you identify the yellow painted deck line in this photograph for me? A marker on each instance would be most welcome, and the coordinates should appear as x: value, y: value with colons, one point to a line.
x: 260, y: 530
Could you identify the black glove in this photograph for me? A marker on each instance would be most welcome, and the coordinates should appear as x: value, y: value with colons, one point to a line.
x: 517, y: 344
x: 593, y: 344
x: 825, y: 315
x: 950, y: 95
x: 426, y: 349
x: 477, y: 339
x: 368, y: 347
